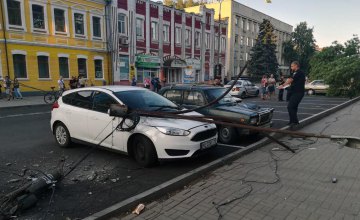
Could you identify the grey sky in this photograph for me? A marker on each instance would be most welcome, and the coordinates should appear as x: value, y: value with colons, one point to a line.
x: 332, y: 19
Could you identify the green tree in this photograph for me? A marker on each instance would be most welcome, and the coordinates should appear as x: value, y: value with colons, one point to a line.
x: 179, y: 4
x: 263, y: 55
x: 169, y: 3
x: 352, y: 46
x: 301, y: 47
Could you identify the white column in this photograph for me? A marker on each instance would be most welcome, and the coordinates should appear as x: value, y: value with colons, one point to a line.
x: 147, y: 26
x: 172, y: 24
x: 193, y: 36
x: 161, y: 35
x: 132, y: 30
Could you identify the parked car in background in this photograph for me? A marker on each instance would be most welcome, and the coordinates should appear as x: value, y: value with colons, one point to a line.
x: 316, y: 87
x: 82, y: 115
x: 243, y: 88
x: 191, y: 97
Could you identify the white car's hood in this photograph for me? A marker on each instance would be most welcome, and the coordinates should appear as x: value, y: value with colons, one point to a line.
x: 173, y: 123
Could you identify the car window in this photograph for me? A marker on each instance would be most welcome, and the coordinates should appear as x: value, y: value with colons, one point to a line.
x: 82, y: 99
x: 102, y: 102
x: 239, y: 83
x: 144, y: 100
x: 193, y: 98
x: 213, y: 94
x: 67, y: 99
x: 173, y: 95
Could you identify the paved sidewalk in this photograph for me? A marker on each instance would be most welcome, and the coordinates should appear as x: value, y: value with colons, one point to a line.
x: 271, y: 183
x: 26, y: 101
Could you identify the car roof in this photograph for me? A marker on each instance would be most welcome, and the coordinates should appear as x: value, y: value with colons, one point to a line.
x: 197, y: 87
x: 114, y: 88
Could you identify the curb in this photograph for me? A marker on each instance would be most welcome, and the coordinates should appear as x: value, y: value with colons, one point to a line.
x: 180, y: 181
x: 24, y: 106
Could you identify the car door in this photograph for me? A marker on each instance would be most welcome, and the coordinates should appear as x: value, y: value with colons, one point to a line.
x: 193, y: 99
x: 251, y: 88
x: 100, y: 124
x: 81, y: 105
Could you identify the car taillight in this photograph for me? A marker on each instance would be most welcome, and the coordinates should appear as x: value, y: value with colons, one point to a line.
x: 55, y: 105
x: 237, y: 89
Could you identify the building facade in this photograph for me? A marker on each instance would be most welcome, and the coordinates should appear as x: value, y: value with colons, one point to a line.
x: 41, y: 40
x: 160, y: 41
x: 243, y: 29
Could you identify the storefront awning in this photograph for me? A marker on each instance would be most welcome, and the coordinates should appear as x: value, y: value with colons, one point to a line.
x: 174, y: 62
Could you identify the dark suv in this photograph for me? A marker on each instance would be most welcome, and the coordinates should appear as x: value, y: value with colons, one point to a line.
x: 190, y: 97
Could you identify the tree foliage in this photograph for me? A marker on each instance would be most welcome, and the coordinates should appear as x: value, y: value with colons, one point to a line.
x: 301, y: 47
x: 181, y: 4
x: 337, y: 64
x: 263, y: 55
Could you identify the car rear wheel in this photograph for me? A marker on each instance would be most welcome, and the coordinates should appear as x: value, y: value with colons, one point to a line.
x: 62, y: 135
x: 311, y: 92
x: 227, y: 135
x: 257, y: 93
x: 144, y: 152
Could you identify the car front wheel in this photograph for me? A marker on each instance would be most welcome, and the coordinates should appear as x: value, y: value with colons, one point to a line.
x: 311, y: 92
x: 62, y: 135
x: 144, y: 152
x: 227, y: 135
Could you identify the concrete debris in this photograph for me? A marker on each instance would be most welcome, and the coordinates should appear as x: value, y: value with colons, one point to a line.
x: 8, y: 164
x: 90, y: 193
x: 138, y: 209
x: 36, y: 165
x: 128, y: 177
x: 115, y: 180
x: 13, y: 180
x: 92, y: 176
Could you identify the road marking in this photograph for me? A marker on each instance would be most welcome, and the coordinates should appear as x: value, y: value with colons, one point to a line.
x: 297, y: 113
x: 228, y: 145
x: 20, y: 115
x: 279, y: 120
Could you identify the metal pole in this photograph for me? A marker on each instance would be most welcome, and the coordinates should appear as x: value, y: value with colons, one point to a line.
x: 5, y: 40
x: 219, y: 36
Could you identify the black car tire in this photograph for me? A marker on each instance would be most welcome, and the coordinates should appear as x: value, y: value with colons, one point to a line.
x: 257, y: 93
x: 62, y: 135
x: 227, y: 134
x: 243, y: 95
x: 144, y: 152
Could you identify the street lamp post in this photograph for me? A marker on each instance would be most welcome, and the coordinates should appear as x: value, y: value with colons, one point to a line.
x: 219, y: 41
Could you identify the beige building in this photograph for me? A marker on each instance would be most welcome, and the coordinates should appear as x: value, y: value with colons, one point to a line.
x: 243, y: 29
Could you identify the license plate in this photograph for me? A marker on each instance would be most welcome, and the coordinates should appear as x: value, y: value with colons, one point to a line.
x: 207, y: 144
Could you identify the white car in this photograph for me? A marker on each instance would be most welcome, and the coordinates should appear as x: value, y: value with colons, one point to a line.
x: 243, y: 88
x: 83, y: 115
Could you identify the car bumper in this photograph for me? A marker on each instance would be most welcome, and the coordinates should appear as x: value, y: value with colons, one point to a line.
x: 175, y: 147
x: 249, y: 131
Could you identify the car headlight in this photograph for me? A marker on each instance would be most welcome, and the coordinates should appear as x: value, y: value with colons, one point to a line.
x: 173, y: 131
x: 253, y: 121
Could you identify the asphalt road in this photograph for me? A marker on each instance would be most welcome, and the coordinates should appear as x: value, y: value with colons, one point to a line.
x: 105, y: 177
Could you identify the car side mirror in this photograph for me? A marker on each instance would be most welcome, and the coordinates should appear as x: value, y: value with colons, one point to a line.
x: 118, y: 110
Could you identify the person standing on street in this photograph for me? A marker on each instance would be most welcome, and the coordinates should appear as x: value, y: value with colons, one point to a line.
x: 271, y: 85
x: 61, y: 84
x: 264, y: 84
x: 297, y: 89
x: 17, y: 89
x: 7, y: 85
x: 281, y: 91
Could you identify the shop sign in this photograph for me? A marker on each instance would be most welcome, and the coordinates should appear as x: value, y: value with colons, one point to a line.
x: 147, y: 61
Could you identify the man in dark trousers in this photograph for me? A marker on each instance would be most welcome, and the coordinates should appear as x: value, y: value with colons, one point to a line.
x: 297, y: 89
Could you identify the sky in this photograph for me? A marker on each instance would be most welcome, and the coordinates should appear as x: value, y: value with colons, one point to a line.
x: 331, y: 19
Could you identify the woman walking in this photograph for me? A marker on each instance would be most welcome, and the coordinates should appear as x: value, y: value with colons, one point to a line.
x: 17, y: 89
x: 271, y: 86
x: 264, y: 84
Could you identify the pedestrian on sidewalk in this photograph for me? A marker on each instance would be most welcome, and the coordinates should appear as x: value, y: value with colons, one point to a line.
x: 281, y: 91
x: 17, y: 89
x: 271, y: 85
x: 7, y: 86
x: 297, y: 89
x: 264, y: 84
x: 61, y: 84
x: 0, y: 90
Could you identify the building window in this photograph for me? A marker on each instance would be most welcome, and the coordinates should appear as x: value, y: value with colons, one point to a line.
x: 154, y: 31
x: 122, y: 24
x: 236, y: 39
x: 178, y: 35
x: 79, y: 21
x: 43, y: 65
x: 243, y: 24
x: 60, y: 23
x: 252, y: 42
x: 82, y: 70
x: 254, y: 27
x: 14, y: 12
x: 246, y: 56
x: 248, y: 26
x: 19, y: 61
x: 242, y: 40
x: 237, y: 21
x: 166, y: 31
x: 248, y: 41
x: 223, y: 44
x: 197, y: 39
x: 216, y: 43
x: 207, y: 41
x: 188, y: 37
x: 64, y: 67
x: 98, y: 69
x: 96, y: 25
x: 139, y: 28
x: 38, y: 16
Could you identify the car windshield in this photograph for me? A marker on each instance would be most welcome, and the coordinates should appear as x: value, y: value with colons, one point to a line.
x: 145, y: 100
x: 212, y: 94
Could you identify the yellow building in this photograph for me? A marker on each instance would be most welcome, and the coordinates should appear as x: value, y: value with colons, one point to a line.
x: 41, y: 40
